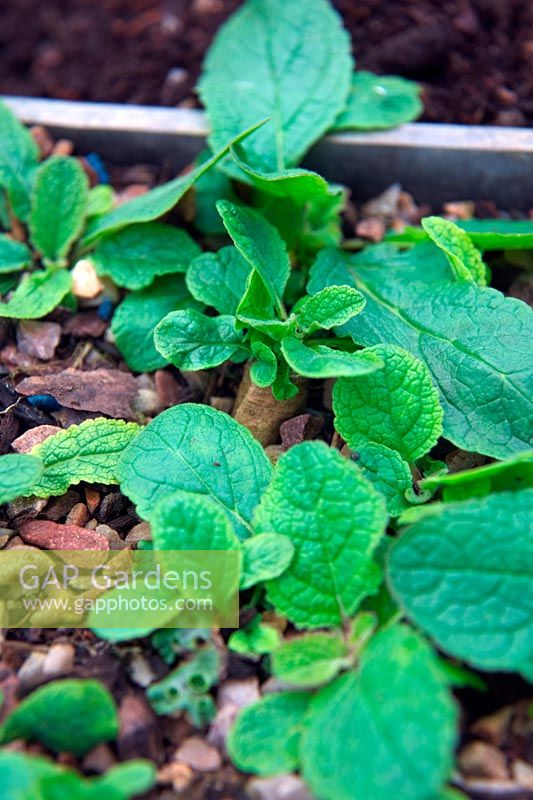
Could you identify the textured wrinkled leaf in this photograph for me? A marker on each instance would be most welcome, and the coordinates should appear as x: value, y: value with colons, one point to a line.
x: 148, y: 207
x: 487, y: 234
x: 475, y: 341
x: 52, y: 714
x: 310, y: 660
x: 134, y: 256
x: 512, y: 475
x: 378, y: 102
x: 19, y: 156
x: 464, y: 575
x: 14, y: 256
x: 185, y: 521
x: 335, y: 519
x: 396, y: 406
x: 391, y: 725
x: 18, y: 475
x: 332, y: 306
x: 266, y: 735
x: 191, y: 340
x: 321, y: 361
x: 219, y: 279
x: 37, y: 294
x: 203, y: 451
x: 388, y: 472
x: 58, y: 207
x: 87, y: 452
x: 265, y: 556
x: 261, y: 245
x: 137, y: 317
x: 294, y: 68
x: 465, y: 259
x: 256, y: 639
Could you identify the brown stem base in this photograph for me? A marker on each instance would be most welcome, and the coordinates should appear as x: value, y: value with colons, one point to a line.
x: 261, y: 413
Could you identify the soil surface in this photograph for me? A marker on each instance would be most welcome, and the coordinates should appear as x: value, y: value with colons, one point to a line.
x: 474, y: 57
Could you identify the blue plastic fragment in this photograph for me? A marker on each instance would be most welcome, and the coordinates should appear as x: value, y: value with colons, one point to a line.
x: 94, y: 161
x: 44, y: 402
x: 105, y: 309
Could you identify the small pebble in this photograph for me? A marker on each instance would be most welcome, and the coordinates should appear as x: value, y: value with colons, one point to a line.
x: 200, y: 756
x: 139, y: 533
x: 44, y: 402
x: 78, y: 515
x: 282, y: 787
x: 32, y: 437
x: 180, y: 776
x: 38, y: 339
x: 59, y: 660
x: 106, y: 309
x: 95, y: 161
x: 85, y: 282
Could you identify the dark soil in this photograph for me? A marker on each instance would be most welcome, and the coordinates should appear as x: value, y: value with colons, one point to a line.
x: 475, y: 57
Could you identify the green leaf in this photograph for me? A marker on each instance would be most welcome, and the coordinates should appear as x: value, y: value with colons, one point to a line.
x: 332, y: 306
x: 265, y: 368
x: 87, y: 452
x: 262, y: 247
x: 99, y: 200
x: 266, y: 735
x: 321, y: 361
x: 52, y: 714
x: 335, y: 519
x: 388, y: 473
x: 219, y: 279
x: 137, y: 317
x: 256, y: 639
x: 265, y: 556
x: 134, y: 256
x: 19, y: 156
x: 148, y: 207
x: 299, y: 185
x: 465, y: 259
x: 475, y: 341
x: 58, y: 207
x: 304, y: 208
x: 192, y: 341
x: 14, y: 256
x: 396, y: 406
x: 204, y: 451
x: 501, y: 476
x: 186, y: 521
x: 214, y: 185
x: 37, y: 294
x: 390, y: 726
x: 377, y: 102
x: 128, y: 779
x: 487, y: 234
x: 286, y: 72
x: 18, y: 475
x: 310, y: 660
x: 464, y: 575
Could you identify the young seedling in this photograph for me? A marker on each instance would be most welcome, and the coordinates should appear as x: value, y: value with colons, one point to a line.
x: 59, y: 223
x: 246, y: 284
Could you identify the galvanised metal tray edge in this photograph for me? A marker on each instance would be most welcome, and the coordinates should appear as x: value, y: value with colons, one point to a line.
x: 436, y: 163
